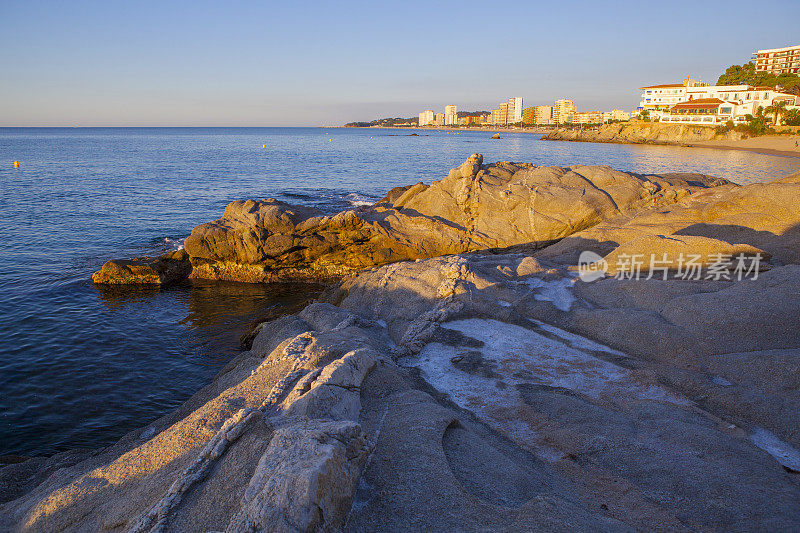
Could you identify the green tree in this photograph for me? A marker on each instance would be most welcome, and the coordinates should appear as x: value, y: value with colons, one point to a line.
x: 792, y: 117
x: 776, y: 110
x: 756, y: 125
x: 747, y: 74
x: 737, y: 74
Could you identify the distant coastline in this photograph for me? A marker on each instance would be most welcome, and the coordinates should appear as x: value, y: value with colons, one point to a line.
x: 491, y: 129
x: 780, y: 145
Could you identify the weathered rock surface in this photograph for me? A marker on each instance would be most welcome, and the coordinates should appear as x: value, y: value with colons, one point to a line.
x: 669, y: 253
x: 762, y: 215
x: 636, y: 132
x: 486, y: 391
x: 471, y: 392
x: 475, y: 207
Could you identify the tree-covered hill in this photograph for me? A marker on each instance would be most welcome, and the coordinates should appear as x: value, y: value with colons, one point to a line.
x: 747, y: 74
x: 386, y: 122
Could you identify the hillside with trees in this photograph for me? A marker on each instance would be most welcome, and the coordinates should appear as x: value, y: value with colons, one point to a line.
x: 385, y: 122
x: 747, y: 74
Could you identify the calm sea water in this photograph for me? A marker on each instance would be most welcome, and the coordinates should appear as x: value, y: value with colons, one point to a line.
x: 81, y: 366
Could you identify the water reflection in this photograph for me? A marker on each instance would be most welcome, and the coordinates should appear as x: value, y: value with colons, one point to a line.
x: 110, y: 359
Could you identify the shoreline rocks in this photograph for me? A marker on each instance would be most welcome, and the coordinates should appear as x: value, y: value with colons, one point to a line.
x: 467, y: 392
x: 476, y: 207
x: 636, y: 132
x: 485, y: 390
x: 168, y: 268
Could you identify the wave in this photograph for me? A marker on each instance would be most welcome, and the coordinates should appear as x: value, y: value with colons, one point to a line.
x: 358, y: 200
x: 326, y: 200
x: 163, y: 245
x: 173, y: 244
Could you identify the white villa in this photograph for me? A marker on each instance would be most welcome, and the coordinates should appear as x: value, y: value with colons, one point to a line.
x: 694, y: 102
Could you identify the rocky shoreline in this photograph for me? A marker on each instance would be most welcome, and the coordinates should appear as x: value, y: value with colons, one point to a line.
x: 685, y: 135
x: 636, y: 132
x: 460, y: 375
x: 476, y: 207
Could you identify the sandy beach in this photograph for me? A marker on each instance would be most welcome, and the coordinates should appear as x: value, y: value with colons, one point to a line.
x: 786, y: 145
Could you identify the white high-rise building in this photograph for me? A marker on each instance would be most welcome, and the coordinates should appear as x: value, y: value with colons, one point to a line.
x: 450, y: 115
x: 514, y: 110
x: 426, y: 117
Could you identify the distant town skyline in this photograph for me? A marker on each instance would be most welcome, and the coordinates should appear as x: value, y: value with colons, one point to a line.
x: 245, y: 64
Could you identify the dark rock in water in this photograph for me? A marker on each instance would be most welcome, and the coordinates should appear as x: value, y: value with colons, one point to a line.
x: 413, y: 135
x: 496, y: 136
x: 168, y: 268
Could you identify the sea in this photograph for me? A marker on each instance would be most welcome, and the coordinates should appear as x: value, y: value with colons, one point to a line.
x: 82, y: 365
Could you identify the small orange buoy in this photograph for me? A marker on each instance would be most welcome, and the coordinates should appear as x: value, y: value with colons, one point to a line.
x: 263, y: 146
x: 16, y: 164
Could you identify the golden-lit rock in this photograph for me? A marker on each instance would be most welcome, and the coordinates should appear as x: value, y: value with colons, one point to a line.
x: 168, y: 268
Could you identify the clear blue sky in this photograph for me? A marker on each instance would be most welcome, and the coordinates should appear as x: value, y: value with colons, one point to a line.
x: 176, y: 63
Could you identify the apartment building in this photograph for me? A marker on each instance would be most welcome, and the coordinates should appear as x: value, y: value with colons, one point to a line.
x: 663, y: 97
x: 778, y: 60
x: 426, y: 117
x: 510, y: 112
x: 587, y: 117
x: 616, y: 114
x: 514, y: 110
x: 563, y: 111
x: 528, y: 115
x: 543, y: 114
x: 450, y: 115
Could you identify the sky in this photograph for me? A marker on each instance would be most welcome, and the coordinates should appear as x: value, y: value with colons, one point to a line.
x: 306, y: 63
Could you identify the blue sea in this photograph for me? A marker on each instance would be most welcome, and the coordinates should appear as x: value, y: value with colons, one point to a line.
x: 80, y: 365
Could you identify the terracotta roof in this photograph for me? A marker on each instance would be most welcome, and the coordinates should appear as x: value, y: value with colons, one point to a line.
x: 665, y: 86
x: 700, y: 103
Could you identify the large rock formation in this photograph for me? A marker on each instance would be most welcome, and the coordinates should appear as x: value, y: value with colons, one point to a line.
x: 765, y: 216
x: 464, y: 393
x: 636, y: 132
x: 485, y: 391
x: 475, y: 207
